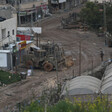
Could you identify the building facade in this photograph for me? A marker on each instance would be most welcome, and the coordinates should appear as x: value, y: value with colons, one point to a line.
x: 29, y: 11
x: 8, y: 26
x: 64, y: 4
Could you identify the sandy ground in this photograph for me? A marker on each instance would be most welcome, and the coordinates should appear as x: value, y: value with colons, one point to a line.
x: 69, y: 39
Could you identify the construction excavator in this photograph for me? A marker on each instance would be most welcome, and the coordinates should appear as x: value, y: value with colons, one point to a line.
x: 50, y: 56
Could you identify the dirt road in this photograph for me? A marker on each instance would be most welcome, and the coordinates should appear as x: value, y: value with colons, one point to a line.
x: 71, y: 40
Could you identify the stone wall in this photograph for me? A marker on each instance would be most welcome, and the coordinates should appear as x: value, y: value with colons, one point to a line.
x: 19, y: 1
x: 2, y: 2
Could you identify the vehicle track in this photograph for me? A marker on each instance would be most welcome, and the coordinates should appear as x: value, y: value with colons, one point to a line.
x: 69, y: 39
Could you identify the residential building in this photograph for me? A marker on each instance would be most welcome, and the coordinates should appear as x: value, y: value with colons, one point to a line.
x: 29, y: 11
x: 58, y: 4
x: 8, y: 25
x: 64, y: 4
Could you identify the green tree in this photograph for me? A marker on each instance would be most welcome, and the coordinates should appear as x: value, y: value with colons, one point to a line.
x: 109, y: 17
x: 92, y: 15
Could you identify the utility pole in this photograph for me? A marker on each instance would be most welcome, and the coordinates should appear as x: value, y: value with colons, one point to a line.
x: 79, y: 58
x: 92, y: 65
x: 105, y: 23
x: 31, y: 19
x: 10, y: 53
x: 38, y: 38
x: 18, y: 13
x: 56, y: 68
x: 56, y: 64
x: 104, y: 14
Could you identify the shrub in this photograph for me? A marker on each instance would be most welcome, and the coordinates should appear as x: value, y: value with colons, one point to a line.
x: 98, y: 105
x: 8, y: 78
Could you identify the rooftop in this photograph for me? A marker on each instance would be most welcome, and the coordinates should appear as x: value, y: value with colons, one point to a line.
x: 27, y: 6
x: 6, y: 12
x: 89, y: 85
x: 82, y: 85
x: 2, y: 19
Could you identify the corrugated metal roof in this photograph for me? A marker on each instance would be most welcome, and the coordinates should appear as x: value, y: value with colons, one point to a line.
x: 106, y: 87
x: 90, y: 85
x: 82, y: 85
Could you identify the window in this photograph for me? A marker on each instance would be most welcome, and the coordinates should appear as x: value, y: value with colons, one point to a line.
x: 12, y: 32
x: 8, y: 33
x: 3, y: 33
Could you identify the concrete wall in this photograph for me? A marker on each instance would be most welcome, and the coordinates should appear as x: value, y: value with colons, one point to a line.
x: 27, y: 1
x: 5, y: 12
x: 8, y: 25
x: 2, y: 1
x: 24, y: 2
x: 100, y: 1
x: 31, y: 4
x: 5, y: 60
x: 20, y: 1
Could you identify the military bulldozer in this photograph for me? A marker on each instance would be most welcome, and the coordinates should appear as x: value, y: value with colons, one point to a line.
x: 73, y: 22
x: 48, y: 57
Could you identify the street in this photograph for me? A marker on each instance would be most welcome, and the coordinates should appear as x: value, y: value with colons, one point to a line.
x: 84, y: 46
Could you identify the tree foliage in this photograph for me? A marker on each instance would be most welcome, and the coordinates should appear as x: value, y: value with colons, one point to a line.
x: 93, y: 15
x: 109, y: 17
x: 97, y: 105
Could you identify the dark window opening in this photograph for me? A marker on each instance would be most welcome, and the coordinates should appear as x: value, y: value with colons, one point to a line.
x: 12, y: 32
x: 8, y: 33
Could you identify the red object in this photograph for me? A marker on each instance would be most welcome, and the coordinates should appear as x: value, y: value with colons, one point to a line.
x: 22, y: 45
x: 44, y: 6
x: 24, y: 37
